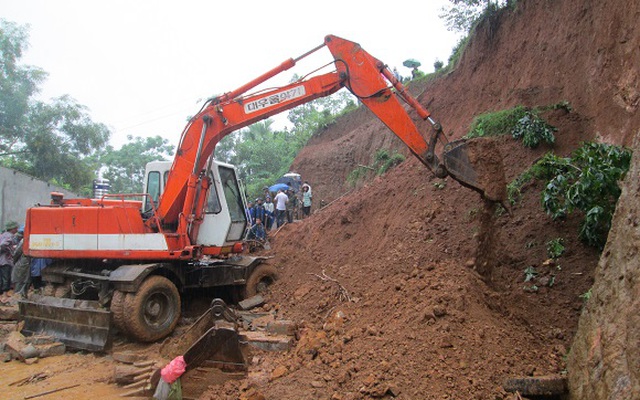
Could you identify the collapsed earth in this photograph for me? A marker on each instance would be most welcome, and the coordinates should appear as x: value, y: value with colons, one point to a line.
x: 428, y: 281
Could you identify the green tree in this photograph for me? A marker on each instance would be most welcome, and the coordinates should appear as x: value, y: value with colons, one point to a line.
x: 17, y: 84
x: 125, y: 167
x: 263, y: 155
x: 462, y: 15
x: 310, y: 117
x: 62, y: 142
x: 56, y: 141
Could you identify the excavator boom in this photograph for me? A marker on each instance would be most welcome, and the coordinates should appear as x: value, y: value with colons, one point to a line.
x: 366, y: 77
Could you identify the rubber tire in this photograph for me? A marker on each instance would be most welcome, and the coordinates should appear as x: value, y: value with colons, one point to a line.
x: 155, y: 291
x: 117, y: 309
x: 261, y: 277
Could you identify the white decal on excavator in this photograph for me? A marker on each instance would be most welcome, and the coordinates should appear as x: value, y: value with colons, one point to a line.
x: 274, y: 99
x: 93, y: 242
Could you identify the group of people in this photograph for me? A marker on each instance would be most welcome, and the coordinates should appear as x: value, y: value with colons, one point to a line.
x: 17, y: 271
x: 284, y: 207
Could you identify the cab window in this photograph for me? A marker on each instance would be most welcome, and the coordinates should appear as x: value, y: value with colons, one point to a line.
x: 213, y: 202
x: 232, y: 194
x: 153, y: 189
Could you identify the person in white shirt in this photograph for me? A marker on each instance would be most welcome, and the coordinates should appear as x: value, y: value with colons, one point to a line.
x: 281, y: 201
x: 269, y: 206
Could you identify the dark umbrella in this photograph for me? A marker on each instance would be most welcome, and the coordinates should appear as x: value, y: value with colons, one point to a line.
x: 411, y: 63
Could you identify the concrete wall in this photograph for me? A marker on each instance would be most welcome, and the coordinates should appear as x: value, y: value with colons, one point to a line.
x: 19, y: 191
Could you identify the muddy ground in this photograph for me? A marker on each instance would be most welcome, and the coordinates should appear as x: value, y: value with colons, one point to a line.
x: 412, y: 287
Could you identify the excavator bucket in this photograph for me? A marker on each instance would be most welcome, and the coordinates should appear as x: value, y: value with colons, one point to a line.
x: 218, y: 348
x: 79, y: 324
x: 213, y: 340
x: 477, y: 164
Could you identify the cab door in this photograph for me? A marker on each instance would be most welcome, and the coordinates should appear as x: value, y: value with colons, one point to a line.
x: 224, y: 221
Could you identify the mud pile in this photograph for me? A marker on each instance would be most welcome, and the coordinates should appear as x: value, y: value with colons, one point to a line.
x: 410, y: 289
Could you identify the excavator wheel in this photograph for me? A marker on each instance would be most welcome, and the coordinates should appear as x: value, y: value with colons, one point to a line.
x: 117, y: 309
x: 153, y: 311
x: 261, y: 277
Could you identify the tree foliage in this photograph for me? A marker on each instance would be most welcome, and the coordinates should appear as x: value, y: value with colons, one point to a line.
x: 586, y: 182
x: 463, y: 15
x: 522, y: 123
x: 56, y: 141
x: 18, y: 83
x: 125, y: 167
x: 262, y: 155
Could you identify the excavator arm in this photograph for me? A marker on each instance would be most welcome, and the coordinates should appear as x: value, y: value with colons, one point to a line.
x: 362, y: 74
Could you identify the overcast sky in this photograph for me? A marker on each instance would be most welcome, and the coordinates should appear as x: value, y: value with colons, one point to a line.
x: 143, y: 67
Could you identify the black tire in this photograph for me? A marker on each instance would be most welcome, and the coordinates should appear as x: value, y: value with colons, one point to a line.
x: 260, y: 279
x: 117, y: 309
x: 153, y: 311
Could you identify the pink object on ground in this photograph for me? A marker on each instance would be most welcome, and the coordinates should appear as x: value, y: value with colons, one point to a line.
x: 173, y: 370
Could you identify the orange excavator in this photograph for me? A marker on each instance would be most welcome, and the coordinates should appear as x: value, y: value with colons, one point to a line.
x: 123, y: 260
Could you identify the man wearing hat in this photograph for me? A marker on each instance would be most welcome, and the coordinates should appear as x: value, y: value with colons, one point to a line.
x: 7, y: 245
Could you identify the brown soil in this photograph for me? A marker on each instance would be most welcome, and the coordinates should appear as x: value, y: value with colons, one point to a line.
x: 407, y: 289
x: 438, y: 305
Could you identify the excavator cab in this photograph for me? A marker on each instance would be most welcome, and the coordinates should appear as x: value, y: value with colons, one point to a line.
x: 224, y: 220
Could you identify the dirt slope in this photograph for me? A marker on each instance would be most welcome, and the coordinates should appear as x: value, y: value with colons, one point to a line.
x: 408, y: 290
x: 541, y: 53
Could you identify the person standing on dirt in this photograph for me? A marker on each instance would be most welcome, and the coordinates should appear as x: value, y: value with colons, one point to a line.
x: 397, y: 74
x: 281, y: 201
x: 7, y: 246
x: 259, y: 211
x: 270, y: 207
x: 292, y: 206
x: 306, y: 201
x: 21, y: 274
x: 306, y: 184
x: 37, y: 265
x: 257, y: 231
x: 248, y: 211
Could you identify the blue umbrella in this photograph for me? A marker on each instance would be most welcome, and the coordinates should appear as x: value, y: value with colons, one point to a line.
x: 278, y: 186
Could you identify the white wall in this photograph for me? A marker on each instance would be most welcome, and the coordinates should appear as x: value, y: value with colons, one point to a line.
x: 19, y: 191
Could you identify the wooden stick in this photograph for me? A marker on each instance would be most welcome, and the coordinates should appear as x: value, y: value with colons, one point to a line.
x: 136, y: 384
x: 334, y: 200
x: 33, y: 396
x: 142, y: 364
x: 38, y: 376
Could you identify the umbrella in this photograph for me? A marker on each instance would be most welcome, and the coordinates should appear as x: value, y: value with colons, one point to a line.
x: 278, y: 186
x: 411, y: 63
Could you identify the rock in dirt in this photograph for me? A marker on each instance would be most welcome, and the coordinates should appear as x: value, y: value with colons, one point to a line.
x: 278, y: 372
x: 550, y: 385
x: 282, y: 327
x: 9, y: 313
x: 126, y: 357
x: 251, y: 302
x: 51, y: 349
x: 29, y: 351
